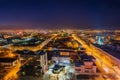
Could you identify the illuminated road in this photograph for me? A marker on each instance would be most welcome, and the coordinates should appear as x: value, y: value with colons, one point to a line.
x: 33, y: 48
x: 11, y: 75
x: 103, y: 61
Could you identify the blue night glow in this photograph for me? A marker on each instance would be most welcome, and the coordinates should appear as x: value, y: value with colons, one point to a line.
x: 100, y: 40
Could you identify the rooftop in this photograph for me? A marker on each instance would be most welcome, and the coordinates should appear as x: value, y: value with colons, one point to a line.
x: 86, y: 57
x: 7, y: 59
x: 77, y: 64
x: 109, y: 50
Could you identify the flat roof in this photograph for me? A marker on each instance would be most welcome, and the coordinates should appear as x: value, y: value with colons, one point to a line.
x: 78, y: 64
x: 109, y: 50
x: 7, y: 59
x: 86, y: 57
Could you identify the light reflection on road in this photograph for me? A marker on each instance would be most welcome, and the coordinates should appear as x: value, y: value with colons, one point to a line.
x: 107, y: 68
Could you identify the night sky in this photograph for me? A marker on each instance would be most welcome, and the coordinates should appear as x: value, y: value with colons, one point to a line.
x: 60, y: 14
